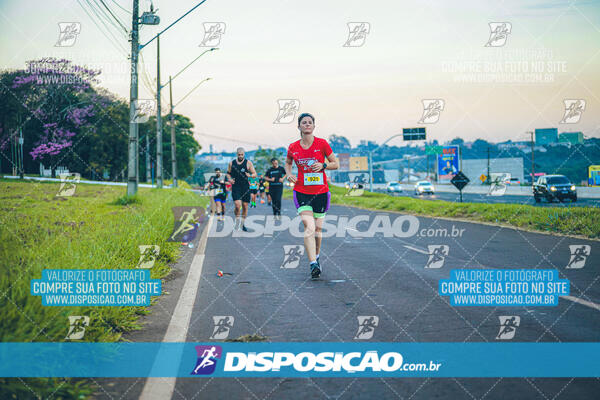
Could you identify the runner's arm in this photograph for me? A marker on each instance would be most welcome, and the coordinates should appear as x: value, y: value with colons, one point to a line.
x: 288, y: 169
x: 251, y: 169
x: 229, y: 178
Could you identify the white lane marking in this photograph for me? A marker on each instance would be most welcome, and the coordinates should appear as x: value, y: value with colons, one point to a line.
x: 417, y: 249
x: 582, y: 302
x: 162, y: 388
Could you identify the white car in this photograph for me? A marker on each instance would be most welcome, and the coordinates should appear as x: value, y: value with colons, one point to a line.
x: 423, y: 187
x: 394, y: 187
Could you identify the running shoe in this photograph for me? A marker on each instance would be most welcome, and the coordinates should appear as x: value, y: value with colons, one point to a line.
x: 244, y: 228
x: 315, y: 270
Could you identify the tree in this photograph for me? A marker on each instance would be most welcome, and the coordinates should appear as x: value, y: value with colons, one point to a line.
x: 262, y: 159
x: 54, y: 103
x: 339, y: 144
x: 186, y: 146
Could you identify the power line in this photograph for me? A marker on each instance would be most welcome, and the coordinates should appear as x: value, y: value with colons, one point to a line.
x: 113, y: 41
x: 113, y: 15
x: 107, y: 18
x: 235, y: 140
x: 121, y: 7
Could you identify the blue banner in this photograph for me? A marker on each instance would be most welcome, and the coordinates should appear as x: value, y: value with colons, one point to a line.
x: 314, y: 359
x: 448, y: 165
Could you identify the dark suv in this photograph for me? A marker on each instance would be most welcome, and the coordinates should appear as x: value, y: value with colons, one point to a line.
x: 553, y: 187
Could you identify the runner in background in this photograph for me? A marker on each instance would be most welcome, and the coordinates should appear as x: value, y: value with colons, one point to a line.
x: 261, y: 188
x: 312, y: 156
x: 275, y: 176
x: 253, y: 181
x: 218, y: 189
x: 267, y: 193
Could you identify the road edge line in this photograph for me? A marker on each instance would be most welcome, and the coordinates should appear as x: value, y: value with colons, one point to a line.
x: 163, y: 388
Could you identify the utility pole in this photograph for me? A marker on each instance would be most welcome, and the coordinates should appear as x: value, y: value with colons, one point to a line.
x: 159, y: 147
x: 532, y: 158
x: 488, y: 164
x: 147, y: 158
x: 132, y: 167
x: 173, y: 152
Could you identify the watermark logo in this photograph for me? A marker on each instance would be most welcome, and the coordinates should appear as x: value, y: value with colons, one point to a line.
x: 287, y: 110
x: 68, y: 183
x: 77, y: 325
x: 579, y: 254
x: 437, y: 255
x: 142, y: 110
x: 148, y: 255
x: 499, y: 32
x: 354, y: 189
x: 207, y: 359
x: 186, y: 224
x: 291, y: 256
x: 508, y: 326
x: 357, y: 33
x: 432, y: 108
x: 573, y: 110
x: 223, y: 324
x: 366, y: 326
x: 213, y: 31
x: 68, y: 32
x: 497, y: 189
x: 498, y: 184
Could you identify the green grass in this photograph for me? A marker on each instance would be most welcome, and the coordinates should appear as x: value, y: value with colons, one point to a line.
x: 96, y: 228
x: 562, y: 220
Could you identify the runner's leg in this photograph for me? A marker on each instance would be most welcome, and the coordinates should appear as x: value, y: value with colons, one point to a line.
x: 309, y: 234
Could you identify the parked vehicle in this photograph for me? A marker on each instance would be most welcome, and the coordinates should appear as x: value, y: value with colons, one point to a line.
x: 552, y: 187
x: 423, y: 187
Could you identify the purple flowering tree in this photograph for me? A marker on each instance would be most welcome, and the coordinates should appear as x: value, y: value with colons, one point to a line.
x: 56, y: 102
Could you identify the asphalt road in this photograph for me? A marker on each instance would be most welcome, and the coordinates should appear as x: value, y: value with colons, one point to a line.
x: 385, y: 277
x: 514, y: 199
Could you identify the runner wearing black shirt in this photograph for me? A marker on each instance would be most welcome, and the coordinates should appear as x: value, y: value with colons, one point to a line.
x: 261, y: 188
x: 275, y: 176
x: 238, y: 172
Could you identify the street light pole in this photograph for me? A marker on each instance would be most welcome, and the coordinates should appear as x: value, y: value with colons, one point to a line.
x: 173, y: 152
x: 148, y: 158
x: 532, y: 158
x: 132, y: 169
x: 159, y: 147
x: 371, y: 161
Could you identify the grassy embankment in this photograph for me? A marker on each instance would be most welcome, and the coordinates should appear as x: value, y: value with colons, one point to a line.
x: 96, y: 228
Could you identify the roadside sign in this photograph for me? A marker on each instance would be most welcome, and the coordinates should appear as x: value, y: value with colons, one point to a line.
x: 482, y: 178
x: 460, y: 180
x: 433, y: 149
x: 413, y: 133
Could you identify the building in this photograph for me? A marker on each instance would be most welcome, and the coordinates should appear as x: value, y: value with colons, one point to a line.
x: 546, y: 136
x: 358, y: 164
x: 344, y: 159
x: 571, y: 137
x: 473, y: 169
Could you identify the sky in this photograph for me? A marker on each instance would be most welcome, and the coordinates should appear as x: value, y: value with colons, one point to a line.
x: 368, y: 90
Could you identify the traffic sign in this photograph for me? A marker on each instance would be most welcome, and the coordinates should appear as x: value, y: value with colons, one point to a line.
x: 433, y: 150
x: 413, y: 133
x: 483, y: 178
x: 460, y: 180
